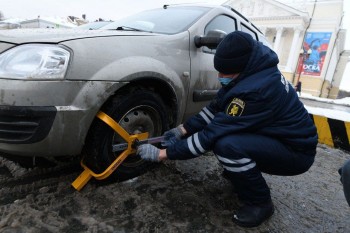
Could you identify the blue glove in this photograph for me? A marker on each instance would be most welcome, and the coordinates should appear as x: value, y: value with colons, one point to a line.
x: 148, y: 152
x: 172, y: 136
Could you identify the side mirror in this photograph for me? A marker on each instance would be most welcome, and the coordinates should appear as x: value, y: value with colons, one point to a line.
x: 211, y: 39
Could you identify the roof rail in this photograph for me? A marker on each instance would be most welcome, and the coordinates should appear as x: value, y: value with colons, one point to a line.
x: 165, y: 6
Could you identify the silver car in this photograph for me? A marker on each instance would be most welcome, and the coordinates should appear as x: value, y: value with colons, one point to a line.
x: 149, y: 72
x: 93, y: 25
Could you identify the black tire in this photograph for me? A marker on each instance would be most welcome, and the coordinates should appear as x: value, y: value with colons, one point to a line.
x: 136, y: 111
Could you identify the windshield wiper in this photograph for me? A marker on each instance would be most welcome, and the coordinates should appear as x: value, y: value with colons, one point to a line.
x: 126, y: 28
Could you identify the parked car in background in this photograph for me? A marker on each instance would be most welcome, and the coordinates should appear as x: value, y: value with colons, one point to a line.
x: 149, y: 72
x: 93, y: 25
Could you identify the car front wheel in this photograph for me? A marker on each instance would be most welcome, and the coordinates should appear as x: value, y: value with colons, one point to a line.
x: 137, y: 111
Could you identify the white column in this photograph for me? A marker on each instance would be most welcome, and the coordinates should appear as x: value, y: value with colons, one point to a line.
x: 278, y: 39
x: 293, y: 49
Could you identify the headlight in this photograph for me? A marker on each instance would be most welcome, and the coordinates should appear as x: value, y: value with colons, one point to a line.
x: 34, y: 62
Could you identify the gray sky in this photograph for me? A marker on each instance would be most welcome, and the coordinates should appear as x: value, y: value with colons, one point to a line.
x: 94, y: 9
x: 115, y: 9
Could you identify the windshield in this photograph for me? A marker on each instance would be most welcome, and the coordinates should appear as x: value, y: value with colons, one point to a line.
x: 164, y: 21
x: 94, y: 25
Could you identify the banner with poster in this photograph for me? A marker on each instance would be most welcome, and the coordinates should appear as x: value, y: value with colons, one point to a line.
x: 314, y: 52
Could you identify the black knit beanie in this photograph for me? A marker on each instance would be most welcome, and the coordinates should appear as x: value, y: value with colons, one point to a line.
x: 233, y: 52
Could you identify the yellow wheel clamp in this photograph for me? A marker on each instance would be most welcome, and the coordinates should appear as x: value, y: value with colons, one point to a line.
x: 132, y: 141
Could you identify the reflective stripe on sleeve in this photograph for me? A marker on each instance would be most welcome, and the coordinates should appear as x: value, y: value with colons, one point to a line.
x: 190, y: 146
x: 197, y: 143
x: 206, y: 110
x: 194, y: 145
x: 202, y: 114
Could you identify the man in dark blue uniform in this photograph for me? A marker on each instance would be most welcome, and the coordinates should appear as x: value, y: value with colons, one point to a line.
x: 256, y: 124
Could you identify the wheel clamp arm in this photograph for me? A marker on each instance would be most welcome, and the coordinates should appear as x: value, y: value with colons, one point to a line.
x: 86, y: 175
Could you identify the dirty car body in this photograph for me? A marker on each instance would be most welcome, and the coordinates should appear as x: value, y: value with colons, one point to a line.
x: 158, y: 63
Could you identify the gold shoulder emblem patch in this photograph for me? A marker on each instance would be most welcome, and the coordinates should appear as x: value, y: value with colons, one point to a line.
x: 236, y: 107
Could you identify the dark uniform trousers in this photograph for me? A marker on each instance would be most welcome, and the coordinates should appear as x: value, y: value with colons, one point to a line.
x: 245, y: 156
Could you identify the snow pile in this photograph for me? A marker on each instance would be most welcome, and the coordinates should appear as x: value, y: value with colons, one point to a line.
x: 344, y: 101
x: 15, y: 169
x: 329, y: 113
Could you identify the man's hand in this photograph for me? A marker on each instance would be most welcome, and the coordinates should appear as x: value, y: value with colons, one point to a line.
x: 173, y: 135
x: 148, y: 152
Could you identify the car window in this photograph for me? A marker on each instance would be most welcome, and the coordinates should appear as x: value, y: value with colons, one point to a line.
x: 249, y: 31
x: 223, y: 23
x: 165, y: 21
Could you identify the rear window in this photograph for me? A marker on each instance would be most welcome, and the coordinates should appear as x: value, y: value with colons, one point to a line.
x: 164, y: 21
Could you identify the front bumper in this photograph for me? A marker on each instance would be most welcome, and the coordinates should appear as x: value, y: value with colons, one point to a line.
x: 24, y: 125
x: 49, y: 118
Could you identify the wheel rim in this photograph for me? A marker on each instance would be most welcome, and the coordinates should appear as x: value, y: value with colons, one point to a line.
x: 140, y: 119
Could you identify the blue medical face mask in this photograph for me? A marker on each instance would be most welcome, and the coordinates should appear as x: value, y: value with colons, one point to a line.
x: 225, y: 81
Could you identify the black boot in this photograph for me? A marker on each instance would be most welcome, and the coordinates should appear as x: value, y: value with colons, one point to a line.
x: 226, y: 175
x: 253, y: 215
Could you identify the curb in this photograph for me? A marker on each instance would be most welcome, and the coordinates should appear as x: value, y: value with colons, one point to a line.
x: 334, y: 133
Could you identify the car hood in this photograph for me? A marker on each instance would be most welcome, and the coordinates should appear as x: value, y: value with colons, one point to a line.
x: 20, y: 36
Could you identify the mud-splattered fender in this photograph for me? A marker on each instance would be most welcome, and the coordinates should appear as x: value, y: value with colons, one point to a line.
x: 125, y: 70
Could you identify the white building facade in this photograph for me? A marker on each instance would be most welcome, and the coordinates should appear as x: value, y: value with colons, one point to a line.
x: 47, y: 22
x: 307, y: 36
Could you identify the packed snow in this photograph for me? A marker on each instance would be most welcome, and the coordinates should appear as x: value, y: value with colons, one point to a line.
x: 329, y: 113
